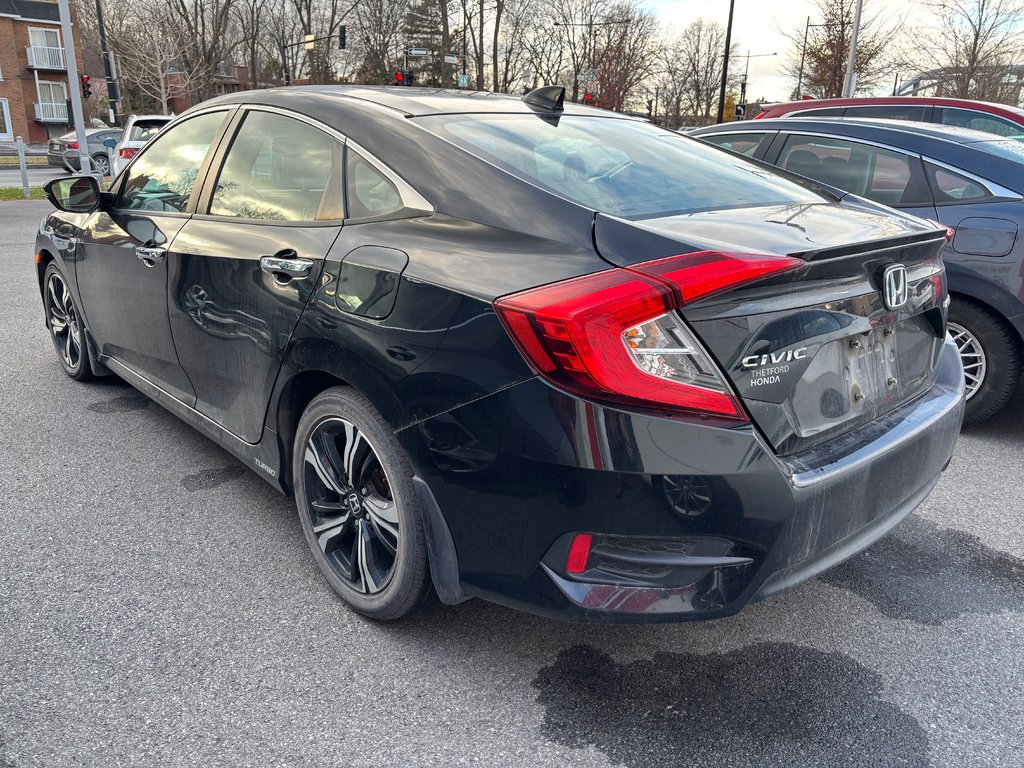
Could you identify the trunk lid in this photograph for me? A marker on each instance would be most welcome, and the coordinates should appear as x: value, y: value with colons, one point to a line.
x: 816, y: 352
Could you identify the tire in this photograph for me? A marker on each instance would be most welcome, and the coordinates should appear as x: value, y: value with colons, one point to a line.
x: 64, y: 322
x: 367, y: 537
x: 101, y: 164
x: 990, y: 356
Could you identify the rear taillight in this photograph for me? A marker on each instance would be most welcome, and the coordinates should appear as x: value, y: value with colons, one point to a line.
x: 72, y: 145
x: 614, y: 335
x: 759, y: 115
x: 128, y: 153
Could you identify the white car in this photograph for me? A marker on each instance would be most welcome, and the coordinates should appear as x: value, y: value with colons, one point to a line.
x: 137, y: 131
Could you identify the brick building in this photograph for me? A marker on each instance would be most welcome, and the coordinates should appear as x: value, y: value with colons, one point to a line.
x: 33, y: 70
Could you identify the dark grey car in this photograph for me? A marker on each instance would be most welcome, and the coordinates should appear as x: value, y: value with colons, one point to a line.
x: 970, y: 181
x: 62, y: 152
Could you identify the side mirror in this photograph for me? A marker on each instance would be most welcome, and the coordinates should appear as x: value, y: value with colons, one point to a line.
x: 74, y: 194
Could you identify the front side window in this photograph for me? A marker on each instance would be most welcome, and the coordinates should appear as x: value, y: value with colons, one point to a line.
x: 979, y: 121
x: 740, y: 143
x: 164, y: 175
x: 882, y: 175
x: 623, y: 167
x: 280, y: 169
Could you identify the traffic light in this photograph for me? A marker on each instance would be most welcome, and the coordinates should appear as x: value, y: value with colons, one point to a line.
x: 588, y: 98
x: 650, y: 107
x: 341, y: 37
x: 399, y: 78
x: 86, y: 86
x: 405, y: 77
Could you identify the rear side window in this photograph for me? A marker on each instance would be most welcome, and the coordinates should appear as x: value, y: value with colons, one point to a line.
x: 889, y: 111
x: 883, y: 175
x: 740, y: 143
x: 950, y: 187
x: 979, y: 121
x: 280, y: 169
x: 164, y: 175
x: 370, y: 192
x: 623, y: 167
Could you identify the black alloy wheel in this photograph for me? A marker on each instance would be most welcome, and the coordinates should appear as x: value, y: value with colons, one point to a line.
x: 64, y: 322
x: 353, y: 488
x: 990, y: 356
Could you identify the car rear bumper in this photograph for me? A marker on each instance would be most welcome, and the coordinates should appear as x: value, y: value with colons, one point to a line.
x: 519, y: 473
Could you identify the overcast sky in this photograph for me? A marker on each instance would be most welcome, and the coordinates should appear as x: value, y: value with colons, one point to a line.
x: 756, y: 28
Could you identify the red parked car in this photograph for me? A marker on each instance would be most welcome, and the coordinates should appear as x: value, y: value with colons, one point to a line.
x: 977, y: 115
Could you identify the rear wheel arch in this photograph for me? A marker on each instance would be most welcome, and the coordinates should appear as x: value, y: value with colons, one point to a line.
x: 296, y: 395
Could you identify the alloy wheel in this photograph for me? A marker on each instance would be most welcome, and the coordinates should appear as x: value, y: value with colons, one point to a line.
x: 972, y: 356
x: 63, y: 321
x: 350, y: 505
x: 101, y: 165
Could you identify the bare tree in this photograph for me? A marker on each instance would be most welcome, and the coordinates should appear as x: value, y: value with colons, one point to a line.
x: 976, y: 42
x: 823, y: 64
x: 205, y: 24
x: 379, y: 26
x: 692, y: 64
x: 625, y: 52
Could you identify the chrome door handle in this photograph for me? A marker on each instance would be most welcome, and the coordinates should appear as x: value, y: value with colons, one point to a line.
x: 290, y: 268
x: 150, y: 256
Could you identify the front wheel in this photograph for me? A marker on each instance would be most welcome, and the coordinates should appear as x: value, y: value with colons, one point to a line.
x: 358, y: 506
x: 989, y: 355
x: 65, y: 324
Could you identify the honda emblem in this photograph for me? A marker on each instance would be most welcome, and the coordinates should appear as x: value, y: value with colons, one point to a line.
x: 895, y: 290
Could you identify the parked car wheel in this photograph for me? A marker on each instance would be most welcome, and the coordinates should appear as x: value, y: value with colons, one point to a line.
x: 358, y: 506
x: 64, y: 321
x: 101, y: 164
x: 990, y: 357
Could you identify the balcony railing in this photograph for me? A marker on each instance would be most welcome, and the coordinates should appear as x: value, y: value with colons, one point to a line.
x: 51, y: 113
x: 44, y: 57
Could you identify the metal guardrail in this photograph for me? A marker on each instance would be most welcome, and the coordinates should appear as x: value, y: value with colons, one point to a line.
x: 45, y: 57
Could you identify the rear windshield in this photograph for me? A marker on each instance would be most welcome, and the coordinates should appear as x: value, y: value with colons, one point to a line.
x: 622, y: 167
x: 144, y: 130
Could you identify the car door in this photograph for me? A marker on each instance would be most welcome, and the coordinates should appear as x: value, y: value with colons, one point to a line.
x: 243, y: 269
x: 121, y: 265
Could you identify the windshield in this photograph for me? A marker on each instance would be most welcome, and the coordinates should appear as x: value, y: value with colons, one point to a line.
x: 622, y: 167
x: 144, y: 130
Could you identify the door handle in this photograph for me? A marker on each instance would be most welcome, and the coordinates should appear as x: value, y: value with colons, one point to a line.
x: 150, y: 256
x: 281, y: 266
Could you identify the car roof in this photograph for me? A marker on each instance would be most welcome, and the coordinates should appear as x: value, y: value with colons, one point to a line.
x: 411, y: 102
x: 938, y: 101
x: 165, y: 118
x: 949, y: 133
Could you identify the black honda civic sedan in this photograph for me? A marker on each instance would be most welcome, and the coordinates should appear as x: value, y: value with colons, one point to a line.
x: 515, y: 348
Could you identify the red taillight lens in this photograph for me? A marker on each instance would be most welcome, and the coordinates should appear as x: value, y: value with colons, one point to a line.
x: 613, y: 335
x: 698, y: 275
x: 72, y: 145
x: 579, y: 553
x: 128, y: 153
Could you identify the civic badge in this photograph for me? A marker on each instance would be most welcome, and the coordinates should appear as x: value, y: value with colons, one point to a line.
x: 895, y: 290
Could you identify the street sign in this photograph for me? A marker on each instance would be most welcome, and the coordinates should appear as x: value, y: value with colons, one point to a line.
x: 451, y: 58
x: 463, y: 81
x: 419, y: 52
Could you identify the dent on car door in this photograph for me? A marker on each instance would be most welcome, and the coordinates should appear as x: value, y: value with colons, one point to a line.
x: 244, y: 268
x: 122, y: 268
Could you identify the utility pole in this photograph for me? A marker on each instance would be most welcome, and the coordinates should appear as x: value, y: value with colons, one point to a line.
x: 851, y: 65
x: 84, y: 160
x: 803, y: 54
x: 113, y: 92
x: 725, y: 62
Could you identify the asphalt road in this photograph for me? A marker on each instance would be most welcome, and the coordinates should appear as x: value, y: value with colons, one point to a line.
x: 158, y: 608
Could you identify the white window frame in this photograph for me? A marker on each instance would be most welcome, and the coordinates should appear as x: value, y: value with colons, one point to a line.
x: 61, y: 83
x: 5, y: 109
x: 55, y: 30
